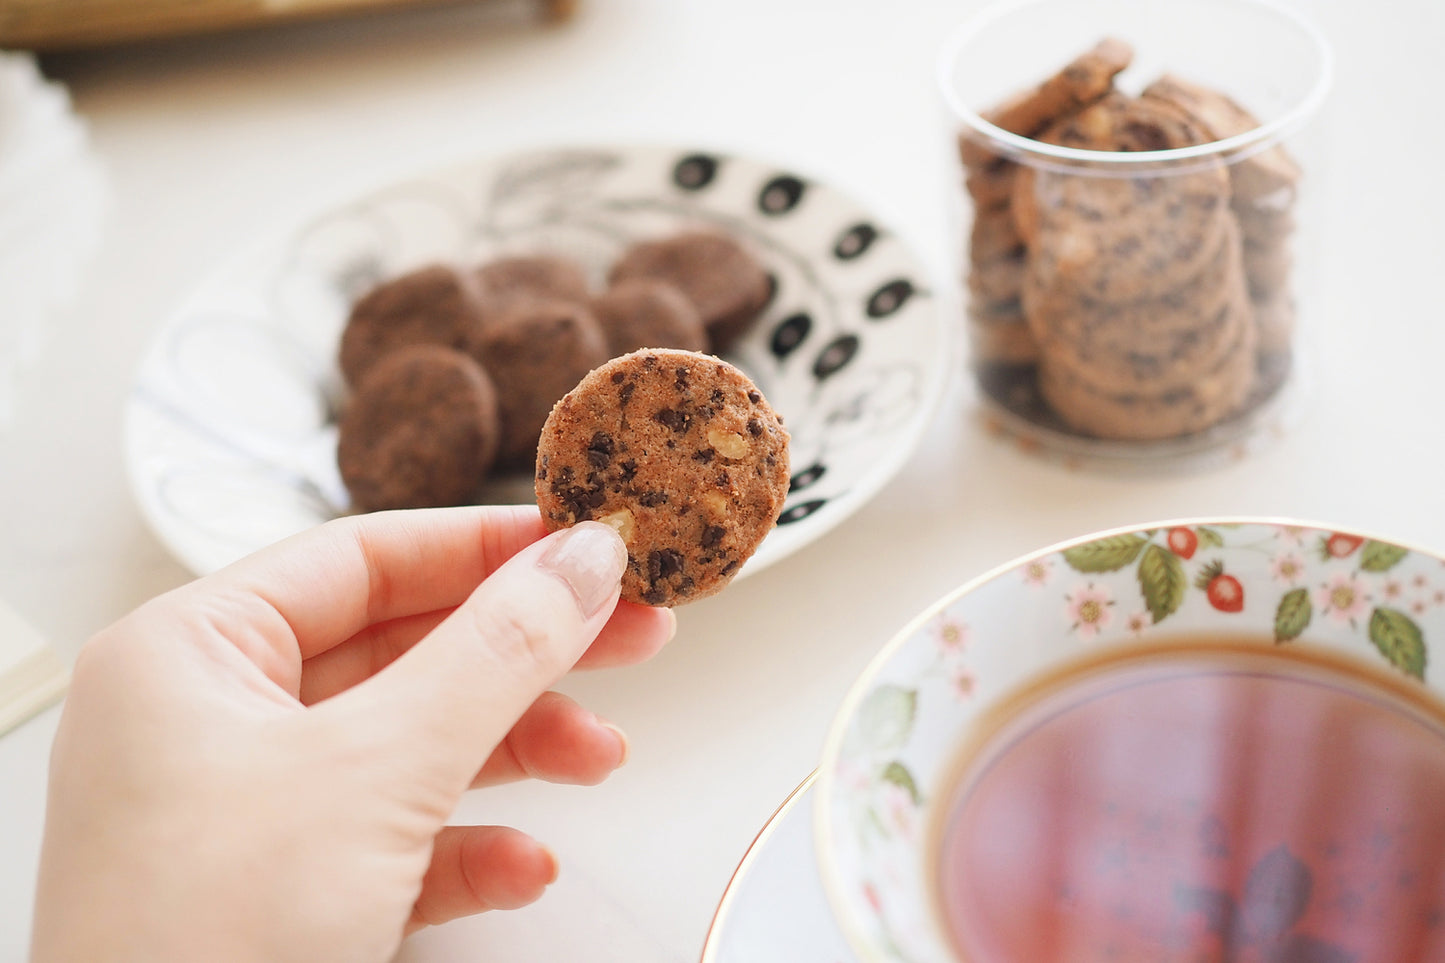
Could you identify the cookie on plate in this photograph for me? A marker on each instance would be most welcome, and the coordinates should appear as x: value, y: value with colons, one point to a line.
x: 678, y: 451
x: 548, y: 276
x: 723, y: 279
x: 535, y: 351
x: 420, y: 431
x: 647, y: 313
x: 436, y: 304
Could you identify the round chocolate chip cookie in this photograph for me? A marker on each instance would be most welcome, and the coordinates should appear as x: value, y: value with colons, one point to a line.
x: 721, y: 277
x: 678, y: 451
x: 535, y: 351
x: 551, y: 277
x: 420, y: 431
x: 647, y: 313
x: 436, y: 304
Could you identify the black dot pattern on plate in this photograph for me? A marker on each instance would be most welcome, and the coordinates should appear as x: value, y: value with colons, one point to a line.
x: 888, y: 299
x: 790, y: 332
x: 694, y: 172
x: 836, y: 356
x: 780, y: 195
x: 800, y: 511
x: 806, y: 477
x: 855, y: 241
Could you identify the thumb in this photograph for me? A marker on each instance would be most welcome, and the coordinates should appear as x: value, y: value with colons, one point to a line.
x: 454, y: 695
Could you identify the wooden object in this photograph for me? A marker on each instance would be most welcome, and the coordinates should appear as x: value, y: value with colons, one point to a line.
x: 52, y: 25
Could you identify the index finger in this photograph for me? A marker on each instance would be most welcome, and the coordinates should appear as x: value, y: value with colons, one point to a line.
x: 331, y: 582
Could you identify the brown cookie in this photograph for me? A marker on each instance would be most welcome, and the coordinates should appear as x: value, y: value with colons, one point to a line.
x: 728, y: 285
x: 420, y: 431
x: 1267, y: 267
x: 1253, y: 176
x: 431, y: 305
x: 1083, y: 81
x: 994, y: 235
x: 1275, y: 319
x: 535, y: 351
x: 992, y: 187
x: 1061, y: 312
x: 552, y: 277
x: 679, y: 452
x: 1123, y: 234
x: 1000, y: 338
x: 1120, y: 354
x: 646, y: 313
x: 1137, y: 415
x: 998, y: 280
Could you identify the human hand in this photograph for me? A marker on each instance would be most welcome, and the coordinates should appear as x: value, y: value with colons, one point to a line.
x: 260, y: 765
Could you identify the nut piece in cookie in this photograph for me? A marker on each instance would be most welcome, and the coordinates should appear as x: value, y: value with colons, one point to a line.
x: 535, y: 351
x: 436, y: 304
x: 420, y: 431
x: 722, y: 278
x: 678, y: 451
x: 647, y: 313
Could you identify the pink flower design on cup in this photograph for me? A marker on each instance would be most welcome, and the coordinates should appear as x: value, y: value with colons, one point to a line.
x: 1036, y: 572
x: 1343, y: 597
x: 1287, y: 568
x: 1089, y: 609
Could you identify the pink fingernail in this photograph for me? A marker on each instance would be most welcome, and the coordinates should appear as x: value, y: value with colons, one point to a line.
x: 590, y: 558
x: 626, y: 748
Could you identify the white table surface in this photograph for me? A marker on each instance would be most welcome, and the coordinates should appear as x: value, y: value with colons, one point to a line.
x: 209, y: 142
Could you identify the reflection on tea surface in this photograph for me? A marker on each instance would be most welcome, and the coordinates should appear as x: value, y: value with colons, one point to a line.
x: 1203, y: 803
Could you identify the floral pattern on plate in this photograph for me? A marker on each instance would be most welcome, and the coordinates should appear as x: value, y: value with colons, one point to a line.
x: 891, y: 745
x: 231, y: 424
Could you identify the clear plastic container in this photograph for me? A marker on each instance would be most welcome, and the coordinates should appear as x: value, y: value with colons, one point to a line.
x: 1133, y: 197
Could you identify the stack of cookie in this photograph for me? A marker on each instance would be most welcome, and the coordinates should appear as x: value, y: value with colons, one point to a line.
x: 1152, y: 297
x: 997, y: 254
x: 1262, y: 189
x: 453, y: 371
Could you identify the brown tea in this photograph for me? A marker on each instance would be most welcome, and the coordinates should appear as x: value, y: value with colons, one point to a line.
x: 1208, y: 802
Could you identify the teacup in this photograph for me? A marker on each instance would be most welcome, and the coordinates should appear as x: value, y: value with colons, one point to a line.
x: 1204, y: 740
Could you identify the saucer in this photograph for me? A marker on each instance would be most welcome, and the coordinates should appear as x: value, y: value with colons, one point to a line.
x: 774, y: 910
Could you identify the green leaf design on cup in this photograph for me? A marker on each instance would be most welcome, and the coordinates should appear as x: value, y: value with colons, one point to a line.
x: 1381, y: 556
x: 1105, y: 554
x: 1161, y: 579
x: 886, y: 717
x: 1399, y: 640
x: 898, y: 774
x: 1209, y: 538
x: 1293, y: 615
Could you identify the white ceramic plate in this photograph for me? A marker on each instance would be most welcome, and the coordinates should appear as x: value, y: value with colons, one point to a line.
x: 774, y: 910
x: 890, y: 751
x: 231, y: 425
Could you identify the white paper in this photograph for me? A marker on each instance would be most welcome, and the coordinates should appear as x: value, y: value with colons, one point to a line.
x: 32, y: 673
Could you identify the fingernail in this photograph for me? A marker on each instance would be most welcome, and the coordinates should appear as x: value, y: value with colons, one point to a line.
x: 671, y: 624
x: 555, y: 866
x: 590, y: 558
x: 623, y: 745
